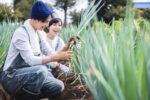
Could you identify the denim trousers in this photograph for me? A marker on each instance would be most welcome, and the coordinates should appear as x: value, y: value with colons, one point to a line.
x: 35, y: 80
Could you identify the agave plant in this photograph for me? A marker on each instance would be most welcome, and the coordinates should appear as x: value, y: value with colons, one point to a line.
x: 115, y: 65
x: 87, y: 16
x: 6, y: 30
x: 114, y: 59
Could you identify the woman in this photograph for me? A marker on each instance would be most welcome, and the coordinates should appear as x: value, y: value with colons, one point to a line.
x: 57, y: 44
x: 53, y: 31
x: 52, y: 36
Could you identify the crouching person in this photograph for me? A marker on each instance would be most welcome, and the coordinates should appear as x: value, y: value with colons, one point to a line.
x: 25, y: 75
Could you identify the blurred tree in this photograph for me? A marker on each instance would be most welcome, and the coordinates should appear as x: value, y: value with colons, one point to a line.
x: 116, y: 9
x: 22, y: 8
x: 15, y: 3
x: 111, y: 8
x: 142, y: 13
x: 113, y: 2
x: 65, y: 4
x: 6, y: 13
x: 146, y: 13
x: 116, y: 2
x: 76, y: 17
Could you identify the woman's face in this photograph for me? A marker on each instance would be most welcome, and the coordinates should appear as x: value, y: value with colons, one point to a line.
x: 55, y: 28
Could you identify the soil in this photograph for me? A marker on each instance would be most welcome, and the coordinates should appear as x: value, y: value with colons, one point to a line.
x: 75, y: 89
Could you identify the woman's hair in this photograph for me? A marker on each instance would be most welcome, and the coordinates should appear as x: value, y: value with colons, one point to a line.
x: 54, y: 20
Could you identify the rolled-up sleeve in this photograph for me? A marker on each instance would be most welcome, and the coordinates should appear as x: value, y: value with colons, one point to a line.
x: 21, y: 43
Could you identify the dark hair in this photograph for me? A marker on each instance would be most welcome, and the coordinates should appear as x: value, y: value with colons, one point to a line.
x: 54, y: 20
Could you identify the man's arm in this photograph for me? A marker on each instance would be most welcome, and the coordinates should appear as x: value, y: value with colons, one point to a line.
x: 62, y: 55
x: 21, y: 42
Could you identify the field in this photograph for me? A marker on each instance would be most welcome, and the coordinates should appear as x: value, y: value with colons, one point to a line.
x: 113, y: 62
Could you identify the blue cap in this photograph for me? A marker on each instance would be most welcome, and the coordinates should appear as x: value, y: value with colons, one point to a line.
x: 40, y: 11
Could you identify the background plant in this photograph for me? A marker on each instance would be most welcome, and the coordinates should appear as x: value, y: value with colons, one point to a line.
x: 114, y: 59
x: 6, y: 31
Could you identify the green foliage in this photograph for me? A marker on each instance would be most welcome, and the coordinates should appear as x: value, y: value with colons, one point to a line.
x: 114, y: 59
x: 76, y: 17
x: 65, y: 4
x: 22, y: 8
x: 116, y: 9
x: 114, y: 2
x: 15, y: 2
x: 145, y: 13
x: 20, y: 11
x: 5, y: 12
x: 6, y: 31
x: 111, y: 9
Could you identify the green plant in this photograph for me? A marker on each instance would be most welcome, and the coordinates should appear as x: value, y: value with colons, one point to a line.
x: 6, y: 31
x: 114, y: 59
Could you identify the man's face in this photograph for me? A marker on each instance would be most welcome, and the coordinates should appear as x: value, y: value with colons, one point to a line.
x: 42, y: 24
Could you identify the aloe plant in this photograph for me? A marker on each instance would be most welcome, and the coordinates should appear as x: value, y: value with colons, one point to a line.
x: 115, y: 62
x: 6, y: 31
x: 114, y: 59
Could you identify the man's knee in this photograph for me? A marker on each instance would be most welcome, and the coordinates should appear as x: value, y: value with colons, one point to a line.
x: 42, y: 72
x: 60, y: 86
x: 59, y: 89
x: 36, y: 79
x: 53, y: 86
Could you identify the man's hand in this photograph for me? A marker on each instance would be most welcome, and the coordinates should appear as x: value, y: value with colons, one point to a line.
x: 59, y: 56
x: 65, y: 55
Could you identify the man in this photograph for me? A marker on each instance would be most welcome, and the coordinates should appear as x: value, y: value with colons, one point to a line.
x: 25, y: 74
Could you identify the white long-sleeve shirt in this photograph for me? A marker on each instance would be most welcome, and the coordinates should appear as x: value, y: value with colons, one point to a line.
x: 28, y: 45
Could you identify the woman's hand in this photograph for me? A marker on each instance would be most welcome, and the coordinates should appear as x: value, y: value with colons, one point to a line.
x: 73, y: 40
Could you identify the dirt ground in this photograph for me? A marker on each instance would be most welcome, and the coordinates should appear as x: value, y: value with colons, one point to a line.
x: 75, y: 89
